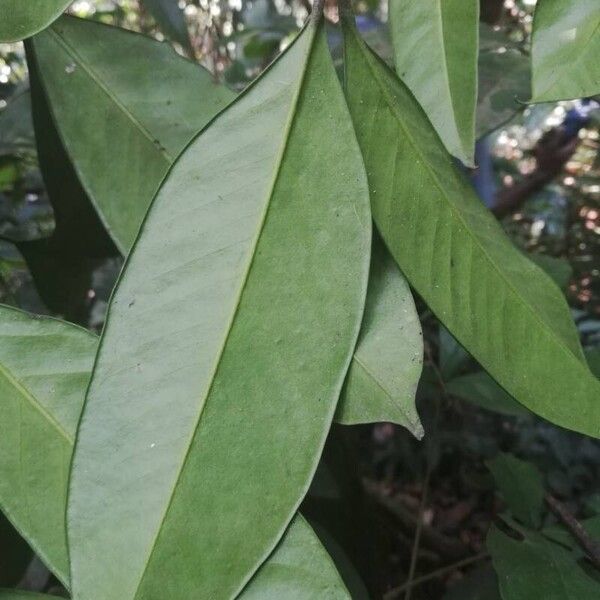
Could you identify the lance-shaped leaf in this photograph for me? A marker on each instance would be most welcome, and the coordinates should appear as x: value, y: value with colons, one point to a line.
x: 564, y: 49
x: 112, y: 117
x: 22, y: 19
x: 45, y: 366
x: 171, y: 19
x: 226, y: 345
x: 435, y: 48
x: 502, y: 308
x: 386, y: 366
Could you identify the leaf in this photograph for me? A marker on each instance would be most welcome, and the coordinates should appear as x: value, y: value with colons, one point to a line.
x: 299, y: 568
x: 478, y: 584
x: 386, y: 366
x: 521, y: 486
x: 21, y: 19
x: 557, y: 268
x: 113, y: 118
x: 435, y: 45
x: 452, y: 356
x: 171, y: 19
x: 45, y: 365
x: 44, y: 368
x: 226, y: 344
x: 538, y: 568
x: 480, y: 389
x: 564, y: 50
x: 21, y: 595
x: 503, y: 309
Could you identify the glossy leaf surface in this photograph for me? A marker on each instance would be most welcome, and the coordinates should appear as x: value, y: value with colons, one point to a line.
x: 100, y: 83
x: 435, y: 48
x: 502, y: 308
x: 226, y: 345
x: 565, y: 49
x: 45, y: 366
x: 22, y: 18
x: 386, y: 366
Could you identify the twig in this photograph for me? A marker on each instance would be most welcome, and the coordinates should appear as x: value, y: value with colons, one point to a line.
x: 590, y: 546
x: 394, y: 593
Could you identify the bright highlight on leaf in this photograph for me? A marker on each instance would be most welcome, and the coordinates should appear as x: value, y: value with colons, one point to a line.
x: 505, y: 311
x: 435, y: 49
x: 225, y: 356
x: 20, y: 19
x: 565, y: 49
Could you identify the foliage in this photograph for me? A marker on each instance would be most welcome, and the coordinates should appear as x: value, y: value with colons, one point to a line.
x: 201, y: 446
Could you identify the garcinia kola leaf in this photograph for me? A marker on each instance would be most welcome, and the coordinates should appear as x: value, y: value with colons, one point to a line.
x: 386, y: 394
x: 20, y: 19
x: 226, y: 345
x: 565, y: 47
x: 45, y: 366
x: 435, y: 51
x: 114, y: 119
x: 386, y: 366
x: 501, y: 307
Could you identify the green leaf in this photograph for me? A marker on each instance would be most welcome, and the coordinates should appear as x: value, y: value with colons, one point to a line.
x: 452, y: 356
x: 226, y: 345
x: 557, y: 268
x: 45, y: 365
x: 478, y: 584
x: 21, y: 595
x: 44, y: 369
x: 538, y: 568
x: 435, y: 45
x: 521, y: 486
x: 171, y: 19
x: 21, y: 19
x: 113, y: 119
x: 299, y: 568
x: 480, y: 389
x: 502, y: 308
x: 559, y: 534
x: 565, y: 49
x: 386, y: 366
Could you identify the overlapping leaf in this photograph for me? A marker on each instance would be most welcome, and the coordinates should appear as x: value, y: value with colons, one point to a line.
x: 502, y: 308
x: 226, y: 345
x: 565, y: 49
x: 120, y: 129
x: 20, y: 19
x: 435, y: 47
x: 171, y: 19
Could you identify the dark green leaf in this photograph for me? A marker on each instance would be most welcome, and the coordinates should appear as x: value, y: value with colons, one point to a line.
x: 503, y: 309
x: 558, y: 269
x: 435, y: 45
x: 478, y: 584
x: 227, y: 341
x: 565, y: 49
x: 521, y: 486
x: 171, y: 19
x: 22, y: 18
x: 21, y: 595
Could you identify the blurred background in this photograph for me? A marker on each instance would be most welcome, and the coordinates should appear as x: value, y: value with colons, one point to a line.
x: 538, y: 169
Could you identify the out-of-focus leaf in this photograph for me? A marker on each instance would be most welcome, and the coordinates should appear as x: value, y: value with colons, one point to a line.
x: 22, y: 18
x: 452, y: 356
x: 226, y: 345
x: 504, y: 80
x: 564, y: 50
x: 559, y: 534
x: 558, y: 269
x: 521, y: 486
x: 502, y: 308
x: 435, y: 47
x: 171, y: 19
x: 538, y: 568
x: 44, y: 367
x: 16, y: 127
x: 386, y: 366
x: 480, y: 389
x: 112, y: 117
x: 13, y: 564
x: 478, y: 584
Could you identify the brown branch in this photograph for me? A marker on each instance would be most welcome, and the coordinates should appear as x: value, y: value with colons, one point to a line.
x: 590, y: 546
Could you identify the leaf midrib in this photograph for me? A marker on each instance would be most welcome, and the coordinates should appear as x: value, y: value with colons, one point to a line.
x: 279, y: 162
x: 457, y: 212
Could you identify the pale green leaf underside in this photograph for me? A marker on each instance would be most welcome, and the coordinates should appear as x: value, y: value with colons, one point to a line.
x: 503, y: 309
x: 101, y: 85
x: 386, y: 366
x: 435, y: 48
x: 20, y: 19
x: 226, y: 345
x: 45, y: 365
x: 565, y: 49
